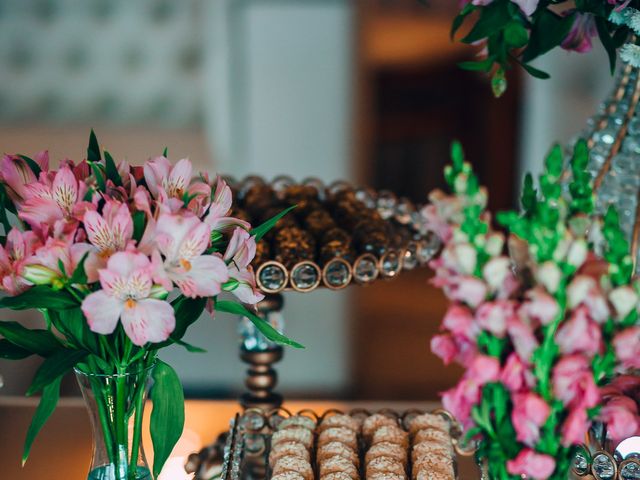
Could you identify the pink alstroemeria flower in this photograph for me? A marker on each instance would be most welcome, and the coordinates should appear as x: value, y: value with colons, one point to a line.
x: 218, y: 216
x: 239, y: 254
x: 182, y: 240
x: 125, y: 296
x: 527, y: 6
x: 51, y: 207
x: 162, y: 177
x: 582, y: 32
x: 108, y: 232
x: 13, y: 256
x: 17, y: 174
x: 573, y: 382
x: 43, y: 268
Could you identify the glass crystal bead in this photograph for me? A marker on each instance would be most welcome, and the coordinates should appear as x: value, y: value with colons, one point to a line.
x: 428, y: 247
x: 417, y: 221
x: 616, y: 119
x: 254, y: 443
x: 366, y: 196
x: 386, y: 204
x: 337, y: 274
x: 580, y: 463
x: 623, y: 163
x: 604, y: 467
x: 272, y: 277
x: 305, y: 276
x: 606, y: 136
x: 597, y: 156
x: 404, y: 209
x: 390, y: 264
x: 631, y: 145
x: 252, y: 420
x: 629, y: 448
x: 365, y: 269
x: 410, y: 259
x: 634, y: 126
x: 630, y: 471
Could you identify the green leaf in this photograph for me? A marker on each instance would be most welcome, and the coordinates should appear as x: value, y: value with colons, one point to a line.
x: 167, y: 416
x: 553, y: 162
x: 189, y: 347
x: 4, y: 199
x: 73, y: 325
x: 534, y: 72
x: 261, y: 231
x: 47, y: 405
x: 515, y: 35
x: 112, y: 170
x: 493, y: 17
x: 139, y: 224
x: 93, y: 150
x: 40, y: 296
x: 55, y: 366
x: 608, y: 43
x: 79, y: 274
x: 10, y: 351
x: 459, y: 20
x: 187, y: 311
x: 265, y: 328
x: 479, y: 66
x: 498, y: 82
x: 97, y: 172
x: 165, y: 152
x: 41, y: 342
x: 548, y: 30
x: 33, y: 165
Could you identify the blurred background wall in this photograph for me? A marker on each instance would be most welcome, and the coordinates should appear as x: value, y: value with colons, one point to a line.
x: 363, y: 90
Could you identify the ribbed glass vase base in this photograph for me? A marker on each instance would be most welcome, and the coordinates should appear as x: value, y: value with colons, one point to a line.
x: 107, y: 472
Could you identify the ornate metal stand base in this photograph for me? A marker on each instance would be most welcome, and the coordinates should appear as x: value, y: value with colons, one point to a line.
x: 261, y: 378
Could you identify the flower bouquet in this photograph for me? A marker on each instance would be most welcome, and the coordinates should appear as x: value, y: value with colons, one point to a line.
x: 541, y: 332
x: 120, y: 260
x: 519, y: 31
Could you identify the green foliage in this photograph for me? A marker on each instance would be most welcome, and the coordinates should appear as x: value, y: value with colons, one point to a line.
x: 10, y: 351
x: 39, y: 342
x: 265, y: 328
x: 93, y: 150
x: 167, y: 416
x: 55, y: 366
x: 262, y: 229
x: 112, y: 170
x: 39, y: 297
x: 47, y: 405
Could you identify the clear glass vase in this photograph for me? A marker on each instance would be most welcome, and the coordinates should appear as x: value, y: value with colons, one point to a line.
x: 116, y: 406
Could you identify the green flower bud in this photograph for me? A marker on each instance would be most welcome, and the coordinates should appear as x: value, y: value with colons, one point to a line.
x: 40, y: 275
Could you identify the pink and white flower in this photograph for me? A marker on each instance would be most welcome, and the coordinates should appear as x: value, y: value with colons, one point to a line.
x: 13, y: 257
x: 579, y: 334
x: 529, y: 413
x: 182, y: 240
x: 627, y: 347
x: 494, y: 316
x: 240, y: 252
x: 573, y: 382
x: 16, y: 173
x: 44, y: 267
x: 531, y: 464
x: 126, y: 297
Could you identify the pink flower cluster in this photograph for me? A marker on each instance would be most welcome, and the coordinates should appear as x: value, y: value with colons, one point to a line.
x: 136, y: 238
x: 490, y: 304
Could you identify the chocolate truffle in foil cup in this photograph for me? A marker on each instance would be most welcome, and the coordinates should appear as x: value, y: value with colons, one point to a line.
x: 338, y: 235
x: 292, y: 245
x: 305, y: 197
x: 259, y: 198
x: 289, y: 220
x: 371, y: 237
x: 336, y: 249
x: 318, y: 222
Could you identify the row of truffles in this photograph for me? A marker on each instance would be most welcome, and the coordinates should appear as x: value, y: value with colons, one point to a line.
x: 431, y: 448
x: 320, y: 228
x: 376, y: 447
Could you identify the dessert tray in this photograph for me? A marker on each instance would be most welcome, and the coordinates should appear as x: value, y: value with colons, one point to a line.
x: 336, y: 445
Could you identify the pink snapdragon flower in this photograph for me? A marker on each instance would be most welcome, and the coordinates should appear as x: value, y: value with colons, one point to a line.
x: 583, y: 290
x: 620, y: 413
x: 182, y: 240
x: 573, y: 382
x: 540, y: 306
x: 516, y: 375
x: 522, y: 336
x: 240, y: 252
x: 454, y: 348
x: 467, y: 289
x: 13, y: 257
x: 627, y: 347
x: 17, y: 174
x: 536, y: 466
x: 459, y: 321
x: 529, y: 413
x: 579, y: 334
x: 109, y: 232
x: 126, y: 297
x: 575, y: 427
x: 494, y: 316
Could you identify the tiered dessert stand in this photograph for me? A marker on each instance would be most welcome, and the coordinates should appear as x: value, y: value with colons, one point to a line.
x: 336, y: 236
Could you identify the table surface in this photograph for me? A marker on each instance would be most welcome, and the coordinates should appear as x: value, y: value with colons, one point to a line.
x: 63, y: 449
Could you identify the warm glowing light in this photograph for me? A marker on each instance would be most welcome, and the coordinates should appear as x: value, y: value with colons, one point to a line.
x: 174, y: 467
